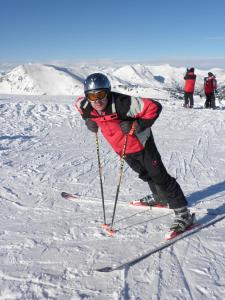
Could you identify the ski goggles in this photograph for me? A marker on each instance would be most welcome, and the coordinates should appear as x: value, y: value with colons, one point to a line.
x: 96, y: 95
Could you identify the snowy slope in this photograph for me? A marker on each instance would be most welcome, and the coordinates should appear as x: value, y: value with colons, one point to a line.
x: 173, y: 77
x: 49, y: 247
x: 137, y: 79
x: 37, y: 79
x: 136, y: 75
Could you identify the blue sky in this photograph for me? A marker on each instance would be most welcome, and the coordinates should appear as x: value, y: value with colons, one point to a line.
x: 161, y: 31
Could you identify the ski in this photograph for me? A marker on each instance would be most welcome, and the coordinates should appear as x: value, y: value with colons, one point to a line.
x: 127, y: 264
x: 135, y: 203
x: 139, y: 203
x: 74, y: 197
x: 70, y: 196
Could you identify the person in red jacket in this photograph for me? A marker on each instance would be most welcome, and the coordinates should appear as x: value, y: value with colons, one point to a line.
x: 210, y: 86
x: 189, y: 88
x: 117, y: 116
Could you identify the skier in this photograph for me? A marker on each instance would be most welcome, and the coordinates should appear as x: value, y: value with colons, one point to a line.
x: 118, y: 115
x: 210, y: 86
x: 189, y: 87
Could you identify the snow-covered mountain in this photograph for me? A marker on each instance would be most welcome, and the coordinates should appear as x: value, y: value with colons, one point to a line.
x: 37, y: 79
x: 40, y: 79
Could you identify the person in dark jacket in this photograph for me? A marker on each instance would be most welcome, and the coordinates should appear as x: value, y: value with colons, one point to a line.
x: 210, y: 86
x: 189, y: 88
x: 117, y: 116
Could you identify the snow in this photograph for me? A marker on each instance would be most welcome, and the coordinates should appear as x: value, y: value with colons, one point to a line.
x: 136, y: 79
x: 37, y: 79
x: 50, y: 247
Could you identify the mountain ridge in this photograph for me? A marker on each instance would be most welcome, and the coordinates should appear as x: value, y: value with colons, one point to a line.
x: 49, y: 79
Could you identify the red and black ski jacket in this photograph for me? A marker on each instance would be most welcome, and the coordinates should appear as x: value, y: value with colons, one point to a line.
x: 189, y: 85
x: 120, y: 108
x: 210, y: 84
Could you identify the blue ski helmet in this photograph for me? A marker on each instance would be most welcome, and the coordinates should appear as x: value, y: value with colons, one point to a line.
x: 96, y: 81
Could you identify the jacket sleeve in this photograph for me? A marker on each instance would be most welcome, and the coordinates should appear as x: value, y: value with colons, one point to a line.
x: 144, y: 110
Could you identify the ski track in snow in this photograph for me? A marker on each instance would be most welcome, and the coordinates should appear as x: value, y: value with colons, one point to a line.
x: 50, y: 247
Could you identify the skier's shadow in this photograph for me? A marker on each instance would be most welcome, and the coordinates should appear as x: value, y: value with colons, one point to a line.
x: 210, y: 192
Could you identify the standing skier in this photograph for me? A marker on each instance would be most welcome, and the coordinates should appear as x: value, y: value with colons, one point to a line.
x: 189, y: 87
x: 210, y: 86
x: 118, y: 116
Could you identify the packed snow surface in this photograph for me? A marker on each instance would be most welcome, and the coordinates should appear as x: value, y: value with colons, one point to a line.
x: 50, y: 247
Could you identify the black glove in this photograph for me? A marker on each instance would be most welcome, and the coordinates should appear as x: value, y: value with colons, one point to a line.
x: 131, y: 127
x: 91, y: 125
x: 126, y: 126
x: 138, y: 127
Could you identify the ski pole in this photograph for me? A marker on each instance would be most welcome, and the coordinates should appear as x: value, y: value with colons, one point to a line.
x: 110, y: 230
x: 100, y: 177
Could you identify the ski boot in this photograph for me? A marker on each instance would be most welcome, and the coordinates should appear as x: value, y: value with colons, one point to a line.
x: 183, y: 220
x: 150, y: 201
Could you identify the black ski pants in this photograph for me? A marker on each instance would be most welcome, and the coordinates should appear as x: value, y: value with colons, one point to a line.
x: 188, y: 99
x: 148, y: 164
x: 210, y: 100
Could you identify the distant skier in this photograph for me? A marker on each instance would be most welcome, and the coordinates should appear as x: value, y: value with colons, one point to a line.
x: 189, y: 88
x: 210, y: 86
x: 118, y: 115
